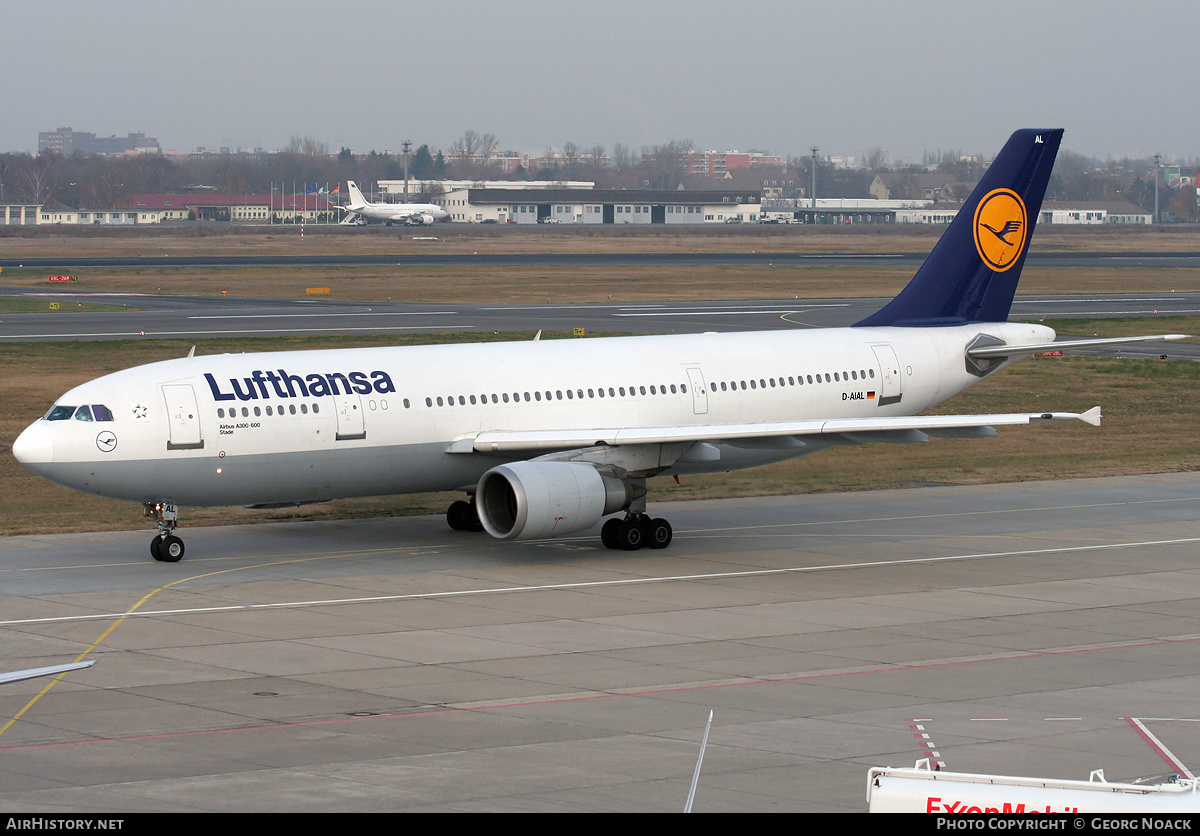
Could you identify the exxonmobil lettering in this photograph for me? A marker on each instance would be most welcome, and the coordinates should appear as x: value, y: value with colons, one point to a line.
x: 934, y: 804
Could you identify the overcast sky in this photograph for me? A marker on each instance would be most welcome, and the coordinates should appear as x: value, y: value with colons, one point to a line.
x: 779, y: 76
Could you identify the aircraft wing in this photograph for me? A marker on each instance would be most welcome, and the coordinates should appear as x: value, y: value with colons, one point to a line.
x: 899, y: 428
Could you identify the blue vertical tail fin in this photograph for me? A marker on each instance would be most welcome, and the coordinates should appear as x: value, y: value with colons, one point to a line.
x: 972, y: 273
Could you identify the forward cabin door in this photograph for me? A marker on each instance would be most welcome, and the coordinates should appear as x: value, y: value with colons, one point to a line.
x: 183, y: 417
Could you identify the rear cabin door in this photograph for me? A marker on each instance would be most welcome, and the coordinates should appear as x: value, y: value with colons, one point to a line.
x: 889, y: 370
x: 699, y: 392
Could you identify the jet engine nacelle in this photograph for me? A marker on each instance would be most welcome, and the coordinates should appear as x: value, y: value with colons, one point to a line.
x: 419, y: 220
x: 528, y: 500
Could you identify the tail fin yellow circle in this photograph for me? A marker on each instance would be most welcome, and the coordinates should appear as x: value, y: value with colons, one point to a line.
x: 1001, y: 228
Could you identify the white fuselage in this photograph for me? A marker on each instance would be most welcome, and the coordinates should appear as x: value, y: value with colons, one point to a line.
x: 359, y: 209
x: 248, y: 429
x: 400, y: 212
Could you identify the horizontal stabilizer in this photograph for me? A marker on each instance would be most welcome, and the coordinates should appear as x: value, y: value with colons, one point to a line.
x: 1092, y: 416
x: 51, y: 670
x: 1067, y: 345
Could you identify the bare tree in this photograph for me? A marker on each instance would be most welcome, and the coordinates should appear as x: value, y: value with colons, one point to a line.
x: 487, y: 149
x: 622, y: 156
x: 472, y: 152
x: 307, y: 145
x: 570, y: 157
x: 38, y: 181
x: 465, y: 147
x: 667, y: 164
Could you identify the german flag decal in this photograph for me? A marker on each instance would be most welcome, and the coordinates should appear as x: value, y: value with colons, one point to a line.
x: 1001, y: 228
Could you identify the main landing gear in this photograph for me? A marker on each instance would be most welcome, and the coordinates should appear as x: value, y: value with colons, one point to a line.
x: 165, y: 546
x: 463, y: 516
x: 635, y: 531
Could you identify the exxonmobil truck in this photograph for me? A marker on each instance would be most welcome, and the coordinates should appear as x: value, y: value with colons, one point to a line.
x: 922, y: 790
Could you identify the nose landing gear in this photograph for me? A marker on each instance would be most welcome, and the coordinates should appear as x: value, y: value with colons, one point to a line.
x: 165, y: 546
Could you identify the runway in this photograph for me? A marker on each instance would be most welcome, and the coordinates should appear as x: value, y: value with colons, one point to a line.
x: 191, y: 317
x: 393, y: 665
x: 1143, y: 259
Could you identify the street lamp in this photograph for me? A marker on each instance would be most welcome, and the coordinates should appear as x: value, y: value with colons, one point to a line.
x: 814, y: 183
x: 1157, y: 158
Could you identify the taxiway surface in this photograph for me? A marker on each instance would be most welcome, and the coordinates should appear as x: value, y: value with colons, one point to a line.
x: 1036, y: 629
x: 193, y: 317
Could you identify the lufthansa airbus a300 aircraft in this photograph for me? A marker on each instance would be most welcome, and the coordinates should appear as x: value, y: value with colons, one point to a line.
x: 547, y: 438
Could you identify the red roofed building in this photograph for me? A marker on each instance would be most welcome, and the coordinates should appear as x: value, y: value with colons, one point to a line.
x: 157, y: 208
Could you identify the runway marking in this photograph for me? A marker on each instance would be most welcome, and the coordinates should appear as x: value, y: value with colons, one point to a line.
x: 723, y: 313
x: 1157, y: 745
x: 100, y: 293
x: 297, y: 315
x: 132, y: 334
x: 1103, y: 313
x: 652, y: 307
x: 702, y: 533
x: 408, y: 551
x: 1103, y: 298
x: 506, y: 590
x: 785, y: 316
x: 904, y: 517
x: 132, y: 612
x: 925, y: 744
x: 508, y: 703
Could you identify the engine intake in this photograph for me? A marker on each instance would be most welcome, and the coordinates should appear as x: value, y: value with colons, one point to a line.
x: 529, y: 500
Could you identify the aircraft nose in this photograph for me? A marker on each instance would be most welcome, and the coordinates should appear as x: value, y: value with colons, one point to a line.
x: 35, y: 445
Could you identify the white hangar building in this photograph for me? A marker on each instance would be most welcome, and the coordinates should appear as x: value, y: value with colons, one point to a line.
x: 598, y: 206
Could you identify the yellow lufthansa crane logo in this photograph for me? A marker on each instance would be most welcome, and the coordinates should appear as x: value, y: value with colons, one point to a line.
x: 1001, y: 225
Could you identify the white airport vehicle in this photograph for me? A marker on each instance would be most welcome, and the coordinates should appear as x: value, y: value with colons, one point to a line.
x: 546, y: 438
x: 360, y: 211
x: 924, y: 790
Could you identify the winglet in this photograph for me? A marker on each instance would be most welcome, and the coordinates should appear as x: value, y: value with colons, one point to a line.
x: 1092, y: 416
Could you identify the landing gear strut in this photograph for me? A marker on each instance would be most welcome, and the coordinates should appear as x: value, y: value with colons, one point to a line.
x: 165, y: 546
x: 635, y: 531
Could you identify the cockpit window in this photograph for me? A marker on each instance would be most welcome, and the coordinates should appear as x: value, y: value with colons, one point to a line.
x: 95, y: 412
